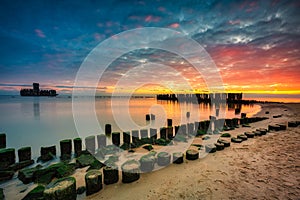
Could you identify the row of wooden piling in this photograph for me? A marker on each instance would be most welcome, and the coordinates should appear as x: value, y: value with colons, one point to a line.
x: 47, y: 153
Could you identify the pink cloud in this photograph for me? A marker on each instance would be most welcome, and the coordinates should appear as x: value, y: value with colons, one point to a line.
x: 39, y: 33
x: 151, y: 18
x: 174, y: 25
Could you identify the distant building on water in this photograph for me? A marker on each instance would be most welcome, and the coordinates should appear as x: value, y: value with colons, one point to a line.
x: 35, y: 91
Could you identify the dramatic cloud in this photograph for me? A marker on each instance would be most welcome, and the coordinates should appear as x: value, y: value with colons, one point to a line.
x: 255, y: 44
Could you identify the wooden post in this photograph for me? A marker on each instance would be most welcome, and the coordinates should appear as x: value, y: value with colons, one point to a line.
x: 116, y: 138
x: 2, y: 140
x: 90, y: 144
x: 101, y: 139
x: 77, y: 146
x: 24, y: 154
x: 65, y: 148
x: 107, y: 129
x: 93, y: 182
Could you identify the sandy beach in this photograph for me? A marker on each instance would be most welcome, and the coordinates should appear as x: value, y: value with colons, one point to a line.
x: 266, y: 167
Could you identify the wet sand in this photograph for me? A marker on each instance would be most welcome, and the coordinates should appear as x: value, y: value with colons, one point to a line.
x: 266, y: 167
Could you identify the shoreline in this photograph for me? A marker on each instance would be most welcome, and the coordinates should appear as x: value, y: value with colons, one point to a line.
x: 235, y: 173
x: 215, y: 176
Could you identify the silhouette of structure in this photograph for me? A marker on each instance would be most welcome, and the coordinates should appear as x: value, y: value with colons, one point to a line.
x: 35, y: 91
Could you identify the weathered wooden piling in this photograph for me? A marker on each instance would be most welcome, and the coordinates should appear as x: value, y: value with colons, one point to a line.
x: 93, y: 182
x: 192, y: 154
x: 111, y: 174
x: 116, y: 138
x: 65, y: 148
x: 188, y: 114
x: 61, y: 189
x: 148, y: 117
x: 48, y: 153
x: 177, y: 131
x: 147, y: 163
x: 170, y: 132
x: 2, y: 140
x: 274, y: 128
x: 107, y: 129
x: 169, y: 122
x: 177, y: 157
x: 90, y: 144
x: 263, y: 131
x: 7, y: 157
x: 183, y: 129
x: 126, y: 137
x: 226, y: 143
x: 249, y: 134
x: 152, y: 117
x: 163, y: 158
x: 135, y: 136
x: 24, y: 154
x: 243, y: 115
x: 190, y: 128
x: 130, y: 171
x: 197, y: 126
x: 77, y: 146
x: 219, y: 146
x: 163, y: 133
x: 236, y: 140
x: 242, y: 137
x: 144, y: 133
x: 292, y: 124
x: 210, y: 148
x: 153, y: 133
x: 101, y: 139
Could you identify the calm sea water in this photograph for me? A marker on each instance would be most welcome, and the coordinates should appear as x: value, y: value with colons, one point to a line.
x: 43, y: 121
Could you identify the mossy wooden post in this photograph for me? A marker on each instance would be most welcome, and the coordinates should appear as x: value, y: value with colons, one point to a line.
x: 77, y: 146
x: 2, y: 140
x: 61, y: 189
x: 111, y: 175
x: 24, y: 154
x: 163, y: 158
x: 170, y: 132
x: 163, y: 133
x: 135, y: 136
x: 178, y: 157
x: 90, y: 144
x: 130, y: 171
x: 153, y: 134
x: 144, y: 133
x: 48, y: 153
x: 101, y: 140
x: 107, y: 129
x: 93, y: 182
x: 65, y: 148
x: 7, y: 157
x: 192, y: 154
x: 169, y: 122
x: 126, y: 137
x: 115, y: 137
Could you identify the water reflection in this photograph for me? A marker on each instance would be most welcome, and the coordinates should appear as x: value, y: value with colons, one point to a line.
x: 36, y: 109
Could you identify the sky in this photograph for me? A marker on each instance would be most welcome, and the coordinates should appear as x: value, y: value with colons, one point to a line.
x: 254, y: 44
